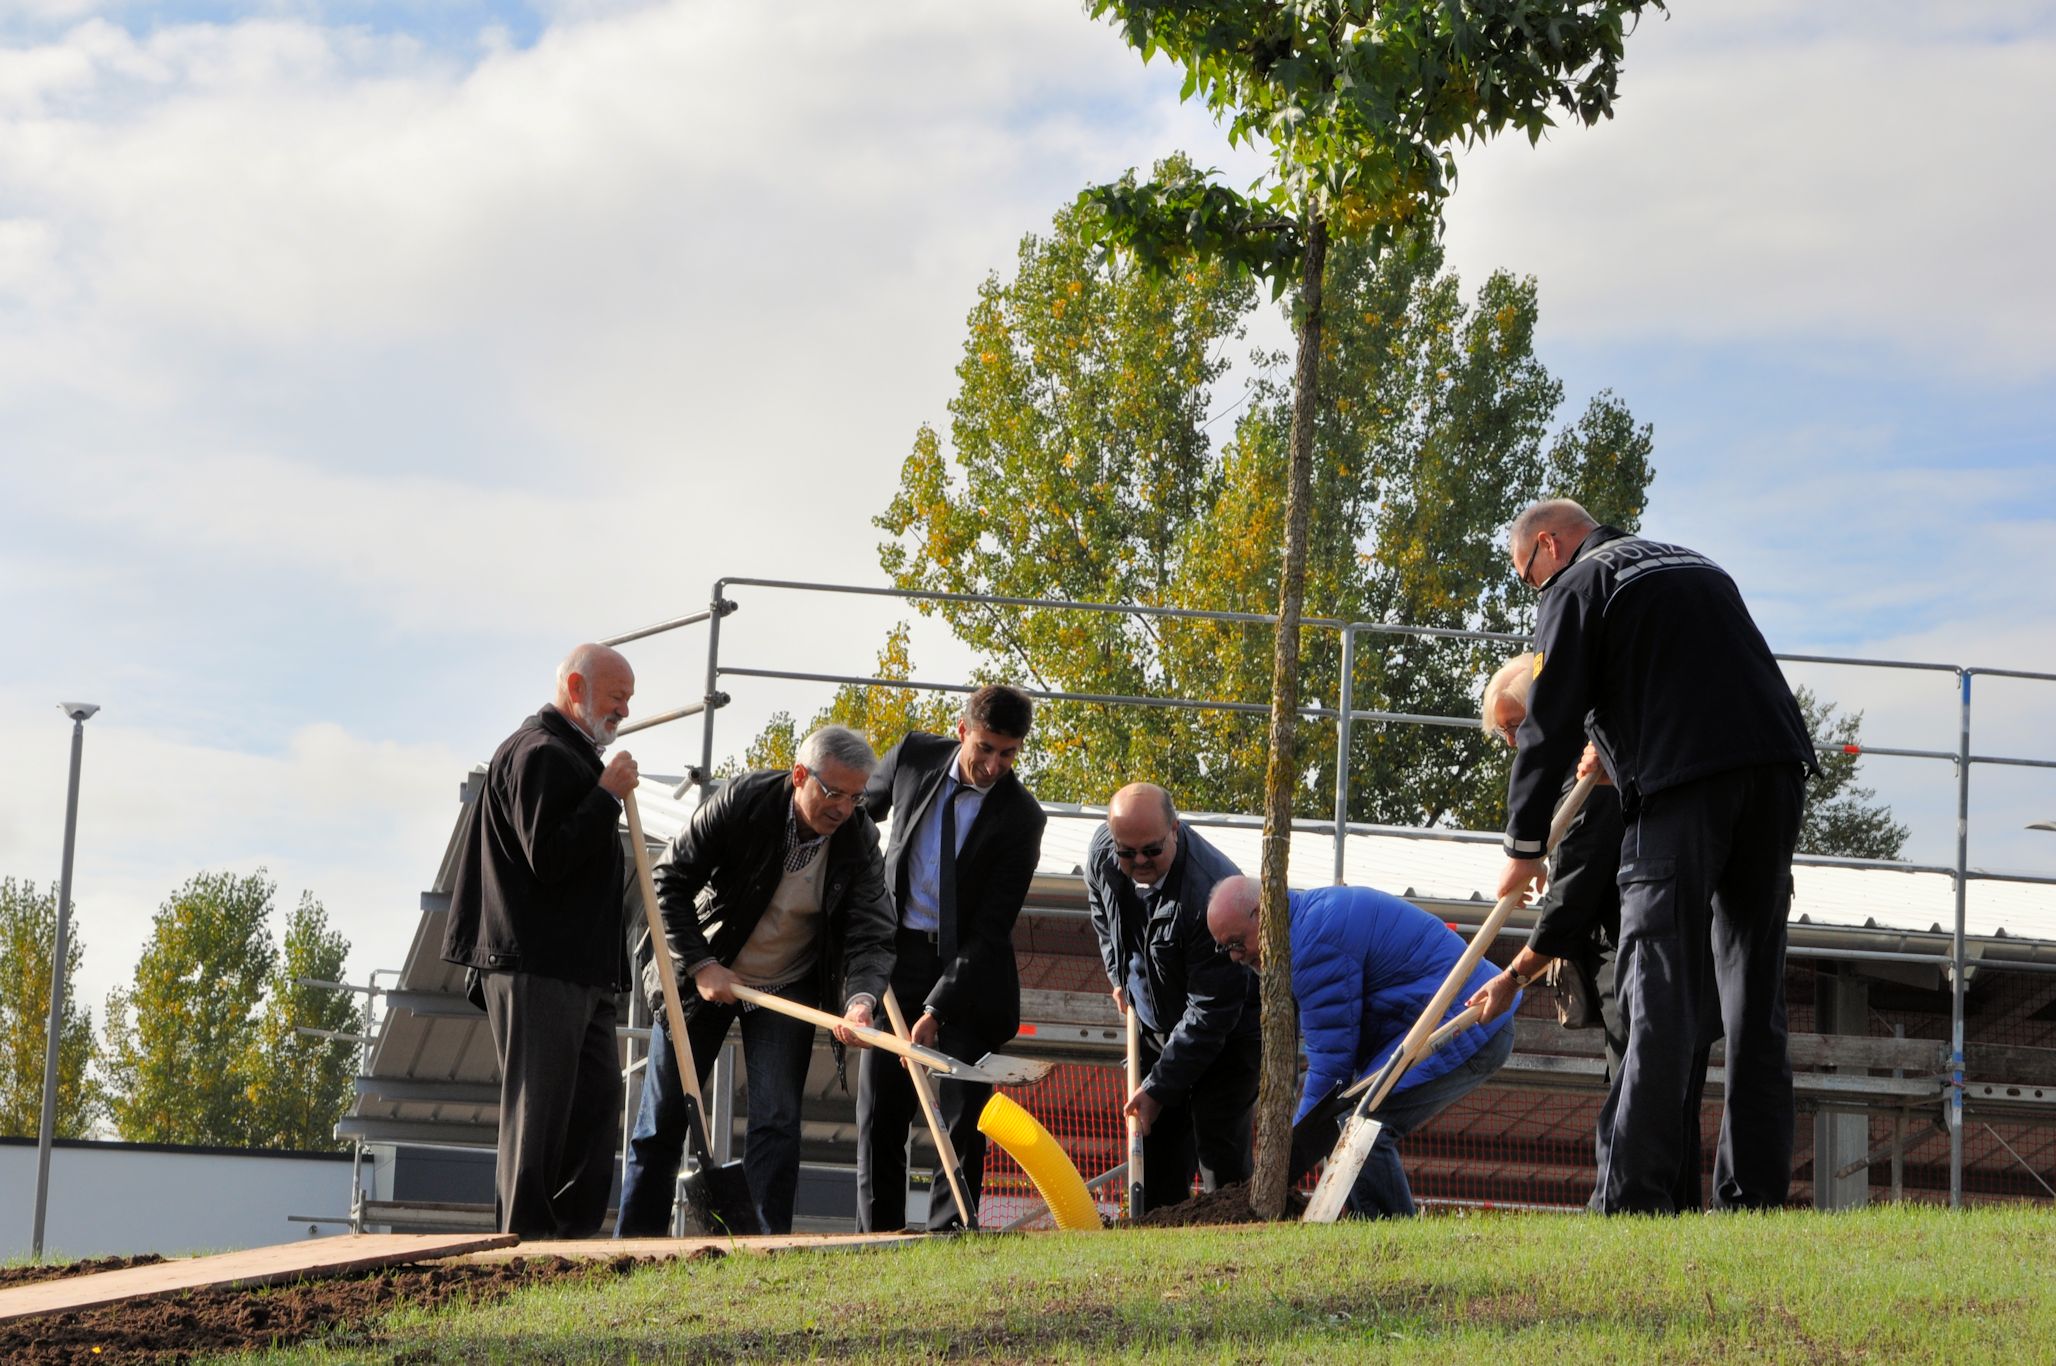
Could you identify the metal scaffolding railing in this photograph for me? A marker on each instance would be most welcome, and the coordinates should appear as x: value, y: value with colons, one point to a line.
x: 1346, y: 715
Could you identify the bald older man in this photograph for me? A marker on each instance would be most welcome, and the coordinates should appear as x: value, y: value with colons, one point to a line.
x: 535, y: 914
x: 1147, y: 879
x: 1365, y: 964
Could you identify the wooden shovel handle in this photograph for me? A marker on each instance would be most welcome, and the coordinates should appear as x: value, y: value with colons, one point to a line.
x: 924, y: 1089
x: 1416, y: 1041
x: 877, y: 1038
x: 660, y: 952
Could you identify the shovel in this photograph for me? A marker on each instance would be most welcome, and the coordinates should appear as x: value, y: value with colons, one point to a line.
x: 1135, y: 1210
x: 945, y: 1151
x: 717, y: 1197
x: 991, y: 1069
x: 1361, y: 1132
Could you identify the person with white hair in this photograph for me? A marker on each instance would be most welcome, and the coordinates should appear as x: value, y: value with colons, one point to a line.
x: 775, y: 883
x: 1576, y: 935
x: 535, y: 918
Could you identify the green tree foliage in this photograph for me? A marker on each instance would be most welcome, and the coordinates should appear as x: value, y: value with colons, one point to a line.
x: 1434, y: 432
x: 300, y: 1084
x: 1842, y: 817
x: 1359, y: 107
x: 28, y: 941
x: 200, y: 1047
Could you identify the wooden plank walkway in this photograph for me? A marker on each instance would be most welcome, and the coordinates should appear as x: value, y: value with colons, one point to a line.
x: 251, y: 1267
x: 606, y: 1249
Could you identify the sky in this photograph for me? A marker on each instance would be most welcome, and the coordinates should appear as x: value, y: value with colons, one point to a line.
x: 359, y: 356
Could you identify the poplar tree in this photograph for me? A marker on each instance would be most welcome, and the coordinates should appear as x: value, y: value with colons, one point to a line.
x: 28, y: 941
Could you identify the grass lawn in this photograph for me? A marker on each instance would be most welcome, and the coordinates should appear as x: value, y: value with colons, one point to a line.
x: 1885, y: 1284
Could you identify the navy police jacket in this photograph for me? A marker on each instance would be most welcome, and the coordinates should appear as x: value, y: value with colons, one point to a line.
x: 1649, y: 648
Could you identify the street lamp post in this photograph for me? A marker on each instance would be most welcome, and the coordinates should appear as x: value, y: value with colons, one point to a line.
x: 46, y: 1132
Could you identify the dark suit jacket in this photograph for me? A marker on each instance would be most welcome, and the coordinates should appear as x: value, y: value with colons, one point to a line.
x: 981, y: 988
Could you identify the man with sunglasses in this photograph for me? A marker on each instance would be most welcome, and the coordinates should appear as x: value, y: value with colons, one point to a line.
x: 1148, y: 876
x: 1649, y: 650
x: 776, y: 882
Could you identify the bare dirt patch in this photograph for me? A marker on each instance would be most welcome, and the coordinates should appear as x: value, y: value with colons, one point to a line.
x: 1227, y: 1205
x: 192, y: 1323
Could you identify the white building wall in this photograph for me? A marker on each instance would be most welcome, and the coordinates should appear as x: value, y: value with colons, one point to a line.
x: 121, y: 1199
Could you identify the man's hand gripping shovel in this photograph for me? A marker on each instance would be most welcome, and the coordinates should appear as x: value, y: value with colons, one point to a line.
x: 1361, y: 1131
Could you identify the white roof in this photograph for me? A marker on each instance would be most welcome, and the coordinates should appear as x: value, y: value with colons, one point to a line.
x: 1462, y: 866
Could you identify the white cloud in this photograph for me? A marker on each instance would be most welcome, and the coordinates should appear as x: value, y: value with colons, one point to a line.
x: 361, y: 823
x: 1851, y: 177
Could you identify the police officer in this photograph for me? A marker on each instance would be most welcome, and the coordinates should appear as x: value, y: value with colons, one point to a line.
x: 1649, y: 648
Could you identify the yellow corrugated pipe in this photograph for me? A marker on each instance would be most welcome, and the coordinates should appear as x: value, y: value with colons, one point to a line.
x: 1048, y: 1166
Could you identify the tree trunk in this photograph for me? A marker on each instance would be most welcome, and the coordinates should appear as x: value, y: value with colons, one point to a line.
x: 1276, y: 1092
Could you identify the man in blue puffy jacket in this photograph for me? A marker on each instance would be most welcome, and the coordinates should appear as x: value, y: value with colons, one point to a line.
x: 1365, y: 964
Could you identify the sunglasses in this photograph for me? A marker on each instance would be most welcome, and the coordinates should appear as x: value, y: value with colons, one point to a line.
x: 1148, y: 851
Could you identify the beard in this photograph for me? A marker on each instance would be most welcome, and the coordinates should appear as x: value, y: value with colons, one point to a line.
x: 599, y: 729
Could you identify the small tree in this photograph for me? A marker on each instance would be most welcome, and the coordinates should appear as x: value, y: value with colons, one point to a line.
x: 1842, y: 817
x: 300, y: 1084
x: 181, y: 1037
x: 28, y: 940
x: 1360, y: 107
x: 204, y: 1046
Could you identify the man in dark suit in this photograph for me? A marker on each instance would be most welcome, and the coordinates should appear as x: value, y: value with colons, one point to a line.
x: 535, y: 913
x: 965, y: 840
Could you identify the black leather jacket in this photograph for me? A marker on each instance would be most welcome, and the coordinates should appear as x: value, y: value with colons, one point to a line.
x: 716, y: 877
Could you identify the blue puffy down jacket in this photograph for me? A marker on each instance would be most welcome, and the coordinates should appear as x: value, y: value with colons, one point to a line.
x: 1364, y: 966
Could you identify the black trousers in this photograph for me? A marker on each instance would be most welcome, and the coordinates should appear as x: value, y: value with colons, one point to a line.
x: 560, y: 1103
x: 1208, y: 1130
x: 888, y: 1110
x: 1706, y: 884
x: 1688, y: 1192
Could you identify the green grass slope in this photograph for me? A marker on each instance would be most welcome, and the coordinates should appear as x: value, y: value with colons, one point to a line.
x: 1906, y: 1284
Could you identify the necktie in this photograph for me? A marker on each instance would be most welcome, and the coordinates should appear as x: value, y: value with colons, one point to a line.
x: 946, y: 874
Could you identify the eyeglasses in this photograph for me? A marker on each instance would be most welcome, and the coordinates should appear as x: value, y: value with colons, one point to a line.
x: 833, y: 794
x: 1506, y: 733
x: 1150, y: 851
x: 1534, y: 547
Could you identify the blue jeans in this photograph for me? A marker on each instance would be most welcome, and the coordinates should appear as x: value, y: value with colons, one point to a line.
x: 775, y: 1052
x: 1381, y: 1191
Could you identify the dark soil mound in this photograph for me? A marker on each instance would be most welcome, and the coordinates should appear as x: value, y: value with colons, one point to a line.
x: 1228, y: 1205
x: 203, y: 1321
x: 29, y: 1275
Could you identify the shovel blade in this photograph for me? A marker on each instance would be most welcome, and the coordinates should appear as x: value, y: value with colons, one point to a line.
x: 717, y: 1196
x: 1331, y: 1192
x: 718, y: 1203
x: 996, y: 1070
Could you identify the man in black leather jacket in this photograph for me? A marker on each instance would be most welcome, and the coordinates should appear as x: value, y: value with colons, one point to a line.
x: 776, y: 882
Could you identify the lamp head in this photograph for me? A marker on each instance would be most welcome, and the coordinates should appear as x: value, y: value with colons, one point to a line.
x: 79, y: 711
